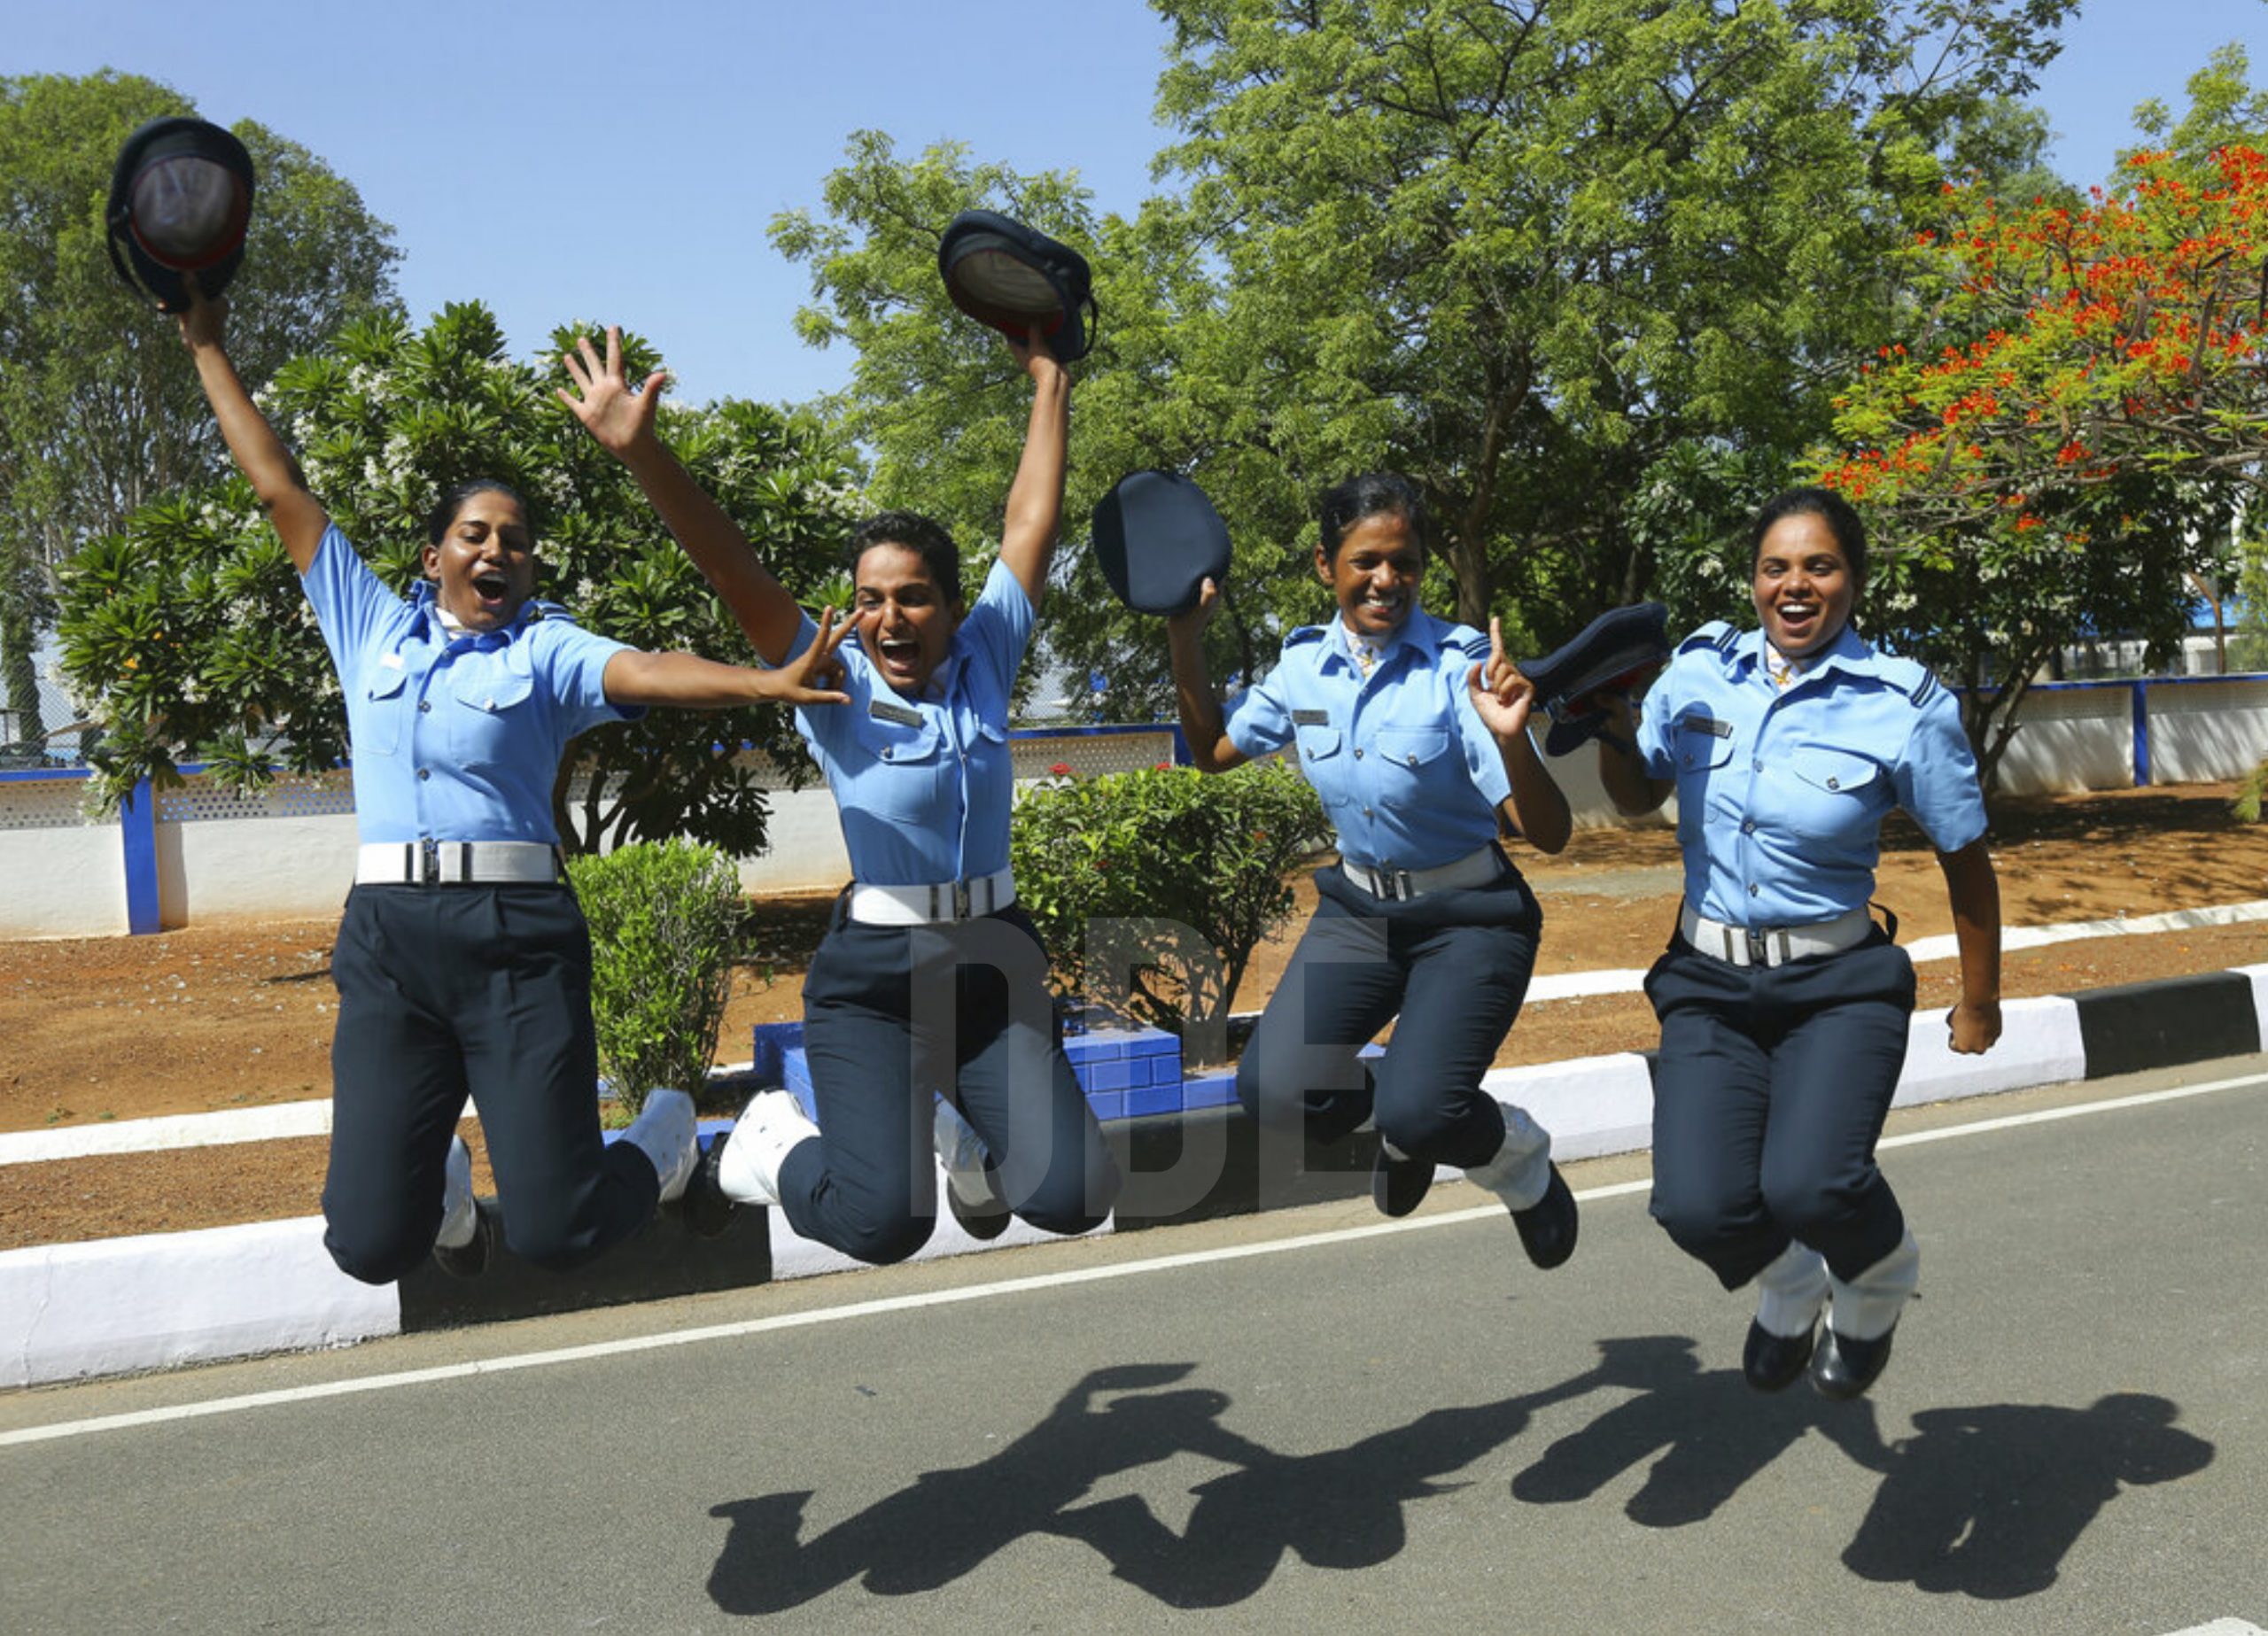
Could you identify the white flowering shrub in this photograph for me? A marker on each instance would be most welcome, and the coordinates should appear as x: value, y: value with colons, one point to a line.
x: 187, y: 632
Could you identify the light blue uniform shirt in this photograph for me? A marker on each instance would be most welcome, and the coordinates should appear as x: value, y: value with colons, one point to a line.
x: 454, y: 738
x: 1780, y: 795
x: 923, y: 785
x: 1410, y: 777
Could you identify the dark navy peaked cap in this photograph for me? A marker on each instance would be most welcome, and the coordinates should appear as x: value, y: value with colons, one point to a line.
x: 1016, y: 278
x: 1158, y: 540
x: 180, y: 201
x: 1614, y: 653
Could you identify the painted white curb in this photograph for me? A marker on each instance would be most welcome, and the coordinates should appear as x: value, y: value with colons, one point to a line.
x: 795, y: 1256
x: 116, y: 1306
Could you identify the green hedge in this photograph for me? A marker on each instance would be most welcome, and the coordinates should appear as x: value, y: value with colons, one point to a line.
x: 665, y: 918
x: 1152, y: 889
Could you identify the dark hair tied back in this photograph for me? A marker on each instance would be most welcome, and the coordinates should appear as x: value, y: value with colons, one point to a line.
x: 922, y: 536
x: 1842, y: 519
x: 1374, y: 494
x: 446, y: 508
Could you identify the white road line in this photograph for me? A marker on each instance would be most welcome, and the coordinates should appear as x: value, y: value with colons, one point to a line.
x: 973, y: 1292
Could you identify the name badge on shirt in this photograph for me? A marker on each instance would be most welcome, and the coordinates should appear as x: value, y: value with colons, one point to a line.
x: 904, y: 715
x: 1310, y: 718
x: 1708, y: 724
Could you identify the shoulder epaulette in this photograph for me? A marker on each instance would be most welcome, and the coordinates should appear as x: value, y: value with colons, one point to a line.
x: 1909, y: 677
x: 1306, y: 633
x: 1472, y: 643
x: 1717, y: 633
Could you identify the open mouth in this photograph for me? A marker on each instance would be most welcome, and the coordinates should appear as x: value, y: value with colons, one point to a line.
x: 1796, y: 617
x: 490, y: 586
x: 900, y: 655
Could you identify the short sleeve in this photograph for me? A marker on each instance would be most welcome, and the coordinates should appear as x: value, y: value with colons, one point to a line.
x: 1484, y: 758
x: 1258, y: 720
x: 574, y: 662
x: 1937, y: 777
x: 352, y: 605
x: 998, y: 627
x: 1656, y: 711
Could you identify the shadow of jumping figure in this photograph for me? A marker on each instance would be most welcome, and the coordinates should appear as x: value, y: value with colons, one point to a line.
x: 1340, y: 1509
x: 946, y: 1523
x: 1988, y: 1500
x: 1712, y: 1433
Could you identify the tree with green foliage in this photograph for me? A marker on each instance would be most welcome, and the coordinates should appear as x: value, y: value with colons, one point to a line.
x: 187, y: 627
x: 99, y: 409
x: 1546, y: 258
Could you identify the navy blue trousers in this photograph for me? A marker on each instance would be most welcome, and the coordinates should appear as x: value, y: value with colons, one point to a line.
x: 1770, y: 1091
x: 446, y: 992
x: 1452, y: 966
x: 895, y: 1016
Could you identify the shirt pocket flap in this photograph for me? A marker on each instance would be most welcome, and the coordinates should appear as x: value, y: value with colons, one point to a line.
x: 492, y: 688
x: 1413, y: 747
x: 1702, y: 742
x: 1318, y: 743
x: 386, y: 681
x: 1838, y: 771
x: 897, y: 742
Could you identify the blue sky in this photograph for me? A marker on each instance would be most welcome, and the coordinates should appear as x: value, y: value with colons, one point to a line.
x: 566, y: 159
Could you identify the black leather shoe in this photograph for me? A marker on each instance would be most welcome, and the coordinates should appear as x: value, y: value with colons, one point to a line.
x: 982, y: 1223
x: 1844, y: 1369
x: 1773, y: 1362
x: 1399, y: 1185
x: 471, y: 1259
x: 707, y: 1207
x: 1548, y: 1226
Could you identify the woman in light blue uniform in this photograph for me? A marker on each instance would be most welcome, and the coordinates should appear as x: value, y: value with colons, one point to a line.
x: 1414, y: 731
x: 1784, y: 1007
x: 464, y: 964
x: 930, y: 981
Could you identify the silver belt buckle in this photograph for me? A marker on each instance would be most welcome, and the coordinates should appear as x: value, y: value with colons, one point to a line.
x: 961, y: 900
x: 1389, y: 885
x: 1759, y: 946
x: 429, y: 861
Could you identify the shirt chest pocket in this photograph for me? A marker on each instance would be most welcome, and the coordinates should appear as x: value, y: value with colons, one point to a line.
x: 488, y: 718
x: 1324, y: 762
x: 1411, y: 753
x: 906, y: 777
x: 1832, y: 790
x: 375, y: 721
x: 1699, y: 745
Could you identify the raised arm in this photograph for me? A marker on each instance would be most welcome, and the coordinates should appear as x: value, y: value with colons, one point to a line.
x: 623, y: 422
x: 1634, y: 791
x: 1209, y: 744
x: 1035, y: 498
x: 1975, y: 891
x: 1504, y: 698
x: 690, y: 682
x: 299, y: 518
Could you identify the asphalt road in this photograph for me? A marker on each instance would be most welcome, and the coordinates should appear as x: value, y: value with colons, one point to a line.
x: 1281, y: 1423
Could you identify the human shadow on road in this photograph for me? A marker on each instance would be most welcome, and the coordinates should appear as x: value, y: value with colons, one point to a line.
x: 1987, y: 1500
x: 1710, y: 1431
x: 1340, y: 1509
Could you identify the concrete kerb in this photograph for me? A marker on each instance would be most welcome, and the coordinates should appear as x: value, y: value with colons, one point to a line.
x: 126, y: 1304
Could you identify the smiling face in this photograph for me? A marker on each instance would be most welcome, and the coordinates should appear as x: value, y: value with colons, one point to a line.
x: 905, y: 620
x: 484, y: 566
x: 1803, y: 584
x: 1375, y: 573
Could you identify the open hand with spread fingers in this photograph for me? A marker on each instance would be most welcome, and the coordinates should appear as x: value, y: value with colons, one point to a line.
x: 617, y: 413
x: 814, y: 676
